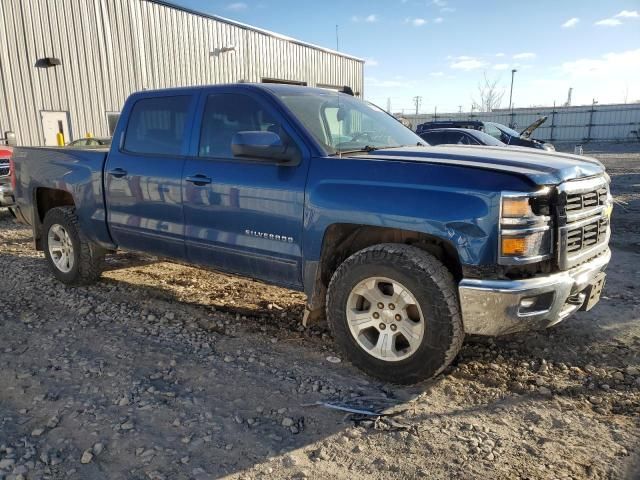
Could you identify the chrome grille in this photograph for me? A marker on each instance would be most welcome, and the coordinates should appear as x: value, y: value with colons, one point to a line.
x: 4, y: 168
x: 587, y: 200
x: 584, y: 227
x: 587, y: 236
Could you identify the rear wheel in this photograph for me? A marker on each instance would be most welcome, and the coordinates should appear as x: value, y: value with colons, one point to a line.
x: 394, y: 312
x: 73, y: 259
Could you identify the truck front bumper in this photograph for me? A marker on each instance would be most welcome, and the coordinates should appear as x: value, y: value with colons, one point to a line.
x: 498, y: 307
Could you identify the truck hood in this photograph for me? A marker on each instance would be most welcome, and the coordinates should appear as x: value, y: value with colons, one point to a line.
x: 541, y: 167
x: 526, y: 133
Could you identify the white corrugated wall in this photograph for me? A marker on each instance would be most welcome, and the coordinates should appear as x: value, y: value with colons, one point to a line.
x: 111, y: 48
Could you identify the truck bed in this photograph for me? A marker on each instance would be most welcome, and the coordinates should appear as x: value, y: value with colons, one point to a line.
x: 77, y: 171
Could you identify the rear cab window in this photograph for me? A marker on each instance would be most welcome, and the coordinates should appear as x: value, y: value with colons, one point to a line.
x: 157, y: 125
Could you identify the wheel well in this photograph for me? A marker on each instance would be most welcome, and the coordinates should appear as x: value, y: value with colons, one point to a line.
x: 343, y: 240
x: 45, y: 200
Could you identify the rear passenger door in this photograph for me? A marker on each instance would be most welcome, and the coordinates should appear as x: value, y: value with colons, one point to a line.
x: 143, y: 175
x: 243, y: 215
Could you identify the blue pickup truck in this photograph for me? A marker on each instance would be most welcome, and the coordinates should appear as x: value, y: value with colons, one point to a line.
x: 404, y: 247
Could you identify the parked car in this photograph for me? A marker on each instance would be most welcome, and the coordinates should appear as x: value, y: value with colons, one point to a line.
x: 497, y: 130
x: 90, y: 142
x: 459, y: 136
x: 6, y: 188
x: 406, y: 247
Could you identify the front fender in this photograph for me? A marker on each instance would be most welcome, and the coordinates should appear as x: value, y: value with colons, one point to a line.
x: 455, y: 204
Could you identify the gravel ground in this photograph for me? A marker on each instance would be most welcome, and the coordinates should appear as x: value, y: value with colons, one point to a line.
x: 163, y: 371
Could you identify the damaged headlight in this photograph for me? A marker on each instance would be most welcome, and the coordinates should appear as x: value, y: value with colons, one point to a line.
x: 525, y: 227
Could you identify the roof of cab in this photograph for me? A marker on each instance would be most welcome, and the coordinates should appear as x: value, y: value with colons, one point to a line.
x: 273, y: 87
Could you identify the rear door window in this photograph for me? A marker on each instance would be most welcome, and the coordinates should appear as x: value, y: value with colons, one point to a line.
x: 157, y: 125
x: 434, y: 138
x: 455, y: 138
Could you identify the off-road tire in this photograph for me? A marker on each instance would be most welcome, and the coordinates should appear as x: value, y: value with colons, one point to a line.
x: 88, y: 256
x: 434, y: 288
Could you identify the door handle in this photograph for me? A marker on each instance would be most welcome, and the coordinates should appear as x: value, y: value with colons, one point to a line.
x: 199, y: 180
x: 117, y: 172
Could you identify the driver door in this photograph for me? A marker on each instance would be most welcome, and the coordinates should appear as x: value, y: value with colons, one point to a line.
x: 243, y: 215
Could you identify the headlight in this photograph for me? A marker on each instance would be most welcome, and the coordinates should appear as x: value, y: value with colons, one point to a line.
x: 525, y: 228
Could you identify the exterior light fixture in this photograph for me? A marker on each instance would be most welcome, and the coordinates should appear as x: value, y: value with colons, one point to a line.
x: 47, y: 62
x: 220, y: 50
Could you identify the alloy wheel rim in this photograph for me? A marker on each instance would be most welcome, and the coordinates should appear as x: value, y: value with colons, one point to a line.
x: 385, y: 319
x: 60, y: 248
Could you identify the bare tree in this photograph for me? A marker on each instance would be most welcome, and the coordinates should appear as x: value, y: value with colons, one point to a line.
x: 490, y: 95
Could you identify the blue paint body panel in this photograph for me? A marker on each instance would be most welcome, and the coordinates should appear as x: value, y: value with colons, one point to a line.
x: 268, y: 220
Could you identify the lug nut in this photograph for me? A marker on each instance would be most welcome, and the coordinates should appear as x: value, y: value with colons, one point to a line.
x: 380, y: 305
x: 393, y: 327
x: 382, y: 326
x: 398, y: 317
x: 376, y: 315
x: 392, y: 306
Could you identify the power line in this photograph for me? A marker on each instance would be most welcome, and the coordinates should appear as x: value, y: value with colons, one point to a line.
x: 417, y: 100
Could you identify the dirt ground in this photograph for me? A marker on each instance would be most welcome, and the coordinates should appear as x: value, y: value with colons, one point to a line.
x: 163, y: 371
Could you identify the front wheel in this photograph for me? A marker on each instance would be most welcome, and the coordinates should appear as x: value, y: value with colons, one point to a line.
x: 73, y: 259
x: 394, y: 312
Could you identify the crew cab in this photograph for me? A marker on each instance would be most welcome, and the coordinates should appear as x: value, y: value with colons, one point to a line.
x: 405, y: 247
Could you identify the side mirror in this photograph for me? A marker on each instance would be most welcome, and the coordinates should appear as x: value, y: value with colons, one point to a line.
x: 260, y: 145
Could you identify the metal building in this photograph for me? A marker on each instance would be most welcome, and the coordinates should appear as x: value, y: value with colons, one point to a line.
x: 69, y: 66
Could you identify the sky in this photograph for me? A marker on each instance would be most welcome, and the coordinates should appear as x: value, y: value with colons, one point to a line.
x: 442, y: 49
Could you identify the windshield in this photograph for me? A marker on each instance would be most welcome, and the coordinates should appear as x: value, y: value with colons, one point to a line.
x: 505, y: 129
x: 342, y: 123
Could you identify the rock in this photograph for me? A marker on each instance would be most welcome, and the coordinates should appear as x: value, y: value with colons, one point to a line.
x: 53, y: 422
x: 127, y: 425
x: 301, y: 474
x: 288, y: 422
x: 98, y: 448
x: 7, y: 463
x: 619, y: 376
x: 332, y: 359
x: 544, y: 390
x: 87, y: 457
x: 228, y: 359
x: 37, y: 432
x: 595, y: 400
x: 632, y: 370
x: 290, y: 461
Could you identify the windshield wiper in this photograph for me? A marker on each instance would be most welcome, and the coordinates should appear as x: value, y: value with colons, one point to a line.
x: 365, y: 149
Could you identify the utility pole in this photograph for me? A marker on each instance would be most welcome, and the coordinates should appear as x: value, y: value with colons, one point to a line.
x: 389, y: 105
x: 459, y: 108
x: 435, y: 113
x: 513, y: 72
x: 418, y: 101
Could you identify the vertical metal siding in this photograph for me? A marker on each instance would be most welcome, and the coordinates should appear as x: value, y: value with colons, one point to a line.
x: 111, y: 48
